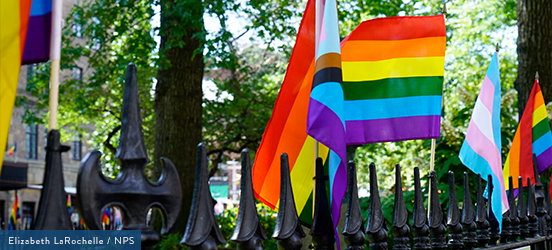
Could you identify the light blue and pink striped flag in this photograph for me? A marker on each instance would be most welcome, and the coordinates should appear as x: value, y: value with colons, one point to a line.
x: 325, y: 120
x: 37, y: 44
x: 481, y: 149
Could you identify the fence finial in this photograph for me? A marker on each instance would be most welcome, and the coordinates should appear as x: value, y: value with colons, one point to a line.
x: 481, y: 216
x: 514, y: 220
x: 322, y: 225
x: 532, y: 210
x: 468, y: 216
x: 541, y: 207
x: 419, y: 216
x: 436, y: 225
x: 453, y: 217
x: 288, y: 230
x: 376, y: 229
x: 494, y: 229
x: 248, y: 233
x: 400, y: 227
x: 549, y: 207
x: 354, y: 224
x: 522, y: 211
x: 202, y: 230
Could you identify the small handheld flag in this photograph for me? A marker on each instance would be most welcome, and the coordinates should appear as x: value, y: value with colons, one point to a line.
x: 13, y: 149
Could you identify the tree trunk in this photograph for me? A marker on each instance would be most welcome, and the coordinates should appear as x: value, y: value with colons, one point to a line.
x: 178, y: 95
x: 534, y: 49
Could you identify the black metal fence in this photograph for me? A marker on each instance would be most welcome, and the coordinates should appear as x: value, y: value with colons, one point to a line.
x: 527, y: 225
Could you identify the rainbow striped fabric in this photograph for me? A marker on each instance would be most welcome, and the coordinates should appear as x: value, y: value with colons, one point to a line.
x: 69, y: 205
x: 325, y: 120
x: 14, y: 16
x: 533, y: 136
x: 481, y: 149
x: 15, y: 214
x: 286, y: 130
x: 393, y: 79
x: 37, y: 44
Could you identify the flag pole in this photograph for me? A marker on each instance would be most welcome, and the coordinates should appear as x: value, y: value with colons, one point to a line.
x: 55, y: 49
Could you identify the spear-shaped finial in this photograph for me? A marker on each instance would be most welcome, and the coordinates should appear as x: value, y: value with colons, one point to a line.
x: 444, y: 8
x: 497, y: 47
x: 537, y: 75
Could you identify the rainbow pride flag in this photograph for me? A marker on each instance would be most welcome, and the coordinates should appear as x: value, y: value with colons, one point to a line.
x: 393, y: 79
x: 325, y: 120
x: 13, y: 149
x: 69, y: 205
x: 15, y: 214
x: 286, y: 130
x: 14, y: 16
x: 37, y: 44
x: 481, y: 149
x: 533, y: 136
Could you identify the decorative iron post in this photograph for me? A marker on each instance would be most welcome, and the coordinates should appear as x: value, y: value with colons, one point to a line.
x: 481, y: 216
x: 541, y: 206
x: 468, y: 215
x: 453, y: 217
x: 549, y: 207
x: 248, y: 233
x: 514, y: 220
x: 532, y: 210
x: 288, y: 230
x: 494, y: 229
x: 354, y: 225
x: 52, y: 208
x: 437, y: 229
x: 400, y: 227
x: 131, y: 190
x: 522, y: 211
x: 202, y: 230
x: 376, y: 229
x: 419, y: 217
x: 322, y: 225
x: 506, y: 233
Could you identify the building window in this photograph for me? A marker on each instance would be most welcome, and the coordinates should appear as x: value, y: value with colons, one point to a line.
x: 31, y: 139
x: 27, y: 215
x: 77, y: 26
x: 77, y: 148
x: 77, y: 73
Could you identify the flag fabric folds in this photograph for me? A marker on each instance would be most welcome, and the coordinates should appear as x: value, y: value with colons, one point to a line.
x: 481, y: 150
x: 393, y: 79
x: 14, y: 16
x: 15, y: 214
x: 37, y: 44
x: 286, y: 130
x: 325, y: 120
x: 532, y: 136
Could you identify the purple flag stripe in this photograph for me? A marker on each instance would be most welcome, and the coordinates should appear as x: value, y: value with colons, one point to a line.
x: 544, y: 160
x: 410, y: 128
x: 326, y: 126
x: 37, y: 43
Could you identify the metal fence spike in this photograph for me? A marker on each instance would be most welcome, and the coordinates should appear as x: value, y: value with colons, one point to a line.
x: 354, y: 224
x: 419, y: 216
x: 436, y: 225
x: 376, y: 229
x: 400, y: 228
x: 322, y: 226
x: 549, y: 207
x: 514, y: 220
x: 468, y: 216
x: 494, y: 230
x: 248, y: 233
x: 481, y: 216
x: 453, y: 217
x: 532, y: 210
x: 288, y: 230
x: 202, y: 231
x: 522, y: 211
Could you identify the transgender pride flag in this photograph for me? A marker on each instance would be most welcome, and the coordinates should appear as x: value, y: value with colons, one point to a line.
x: 325, y: 121
x: 481, y: 149
x: 37, y: 44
